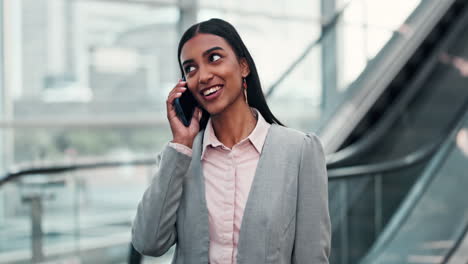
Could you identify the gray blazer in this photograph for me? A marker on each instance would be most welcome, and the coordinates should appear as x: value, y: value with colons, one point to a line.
x: 285, y: 220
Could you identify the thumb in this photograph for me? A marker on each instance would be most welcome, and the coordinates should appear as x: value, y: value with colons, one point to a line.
x: 200, y: 114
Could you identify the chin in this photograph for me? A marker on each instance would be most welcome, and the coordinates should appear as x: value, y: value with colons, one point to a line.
x: 215, y: 110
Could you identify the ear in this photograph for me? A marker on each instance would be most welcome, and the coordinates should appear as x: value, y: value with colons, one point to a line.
x: 245, y: 69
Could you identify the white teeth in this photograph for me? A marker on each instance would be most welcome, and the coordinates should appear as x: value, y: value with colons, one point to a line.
x: 211, y: 90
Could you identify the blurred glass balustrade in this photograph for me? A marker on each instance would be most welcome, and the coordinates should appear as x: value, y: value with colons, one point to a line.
x: 82, y: 215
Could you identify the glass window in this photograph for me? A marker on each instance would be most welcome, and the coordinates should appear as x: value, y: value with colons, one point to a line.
x: 91, y: 77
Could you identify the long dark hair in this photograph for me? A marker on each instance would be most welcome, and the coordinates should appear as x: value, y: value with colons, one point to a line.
x: 221, y: 28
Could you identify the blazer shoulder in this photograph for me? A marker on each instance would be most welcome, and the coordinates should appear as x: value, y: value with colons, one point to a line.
x: 295, y: 137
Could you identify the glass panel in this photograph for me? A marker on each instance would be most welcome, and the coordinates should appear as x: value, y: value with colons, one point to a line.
x: 84, y: 64
x: 361, y: 207
x: 367, y: 26
x: 389, y: 15
x: 76, y: 216
x: 412, y: 127
x: 40, y: 146
x: 406, y: 214
x: 278, y: 9
x: 297, y: 100
x: 275, y: 33
x: 320, y: 82
x: 435, y: 215
x: 101, y: 58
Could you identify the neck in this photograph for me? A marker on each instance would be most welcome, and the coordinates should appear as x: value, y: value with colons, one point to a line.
x: 234, y: 124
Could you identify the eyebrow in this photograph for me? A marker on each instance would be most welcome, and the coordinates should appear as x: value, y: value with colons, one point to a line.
x: 206, y: 52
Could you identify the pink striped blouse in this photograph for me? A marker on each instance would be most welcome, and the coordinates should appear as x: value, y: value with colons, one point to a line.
x: 228, y: 176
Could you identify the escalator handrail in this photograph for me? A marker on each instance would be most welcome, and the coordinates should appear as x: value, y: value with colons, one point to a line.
x: 409, y: 160
x: 53, y: 169
x: 406, y: 161
x: 360, y: 146
x: 351, y: 151
x: 414, y: 196
x: 397, y: 164
x: 334, y: 174
x: 456, y: 245
x: 378, y: 74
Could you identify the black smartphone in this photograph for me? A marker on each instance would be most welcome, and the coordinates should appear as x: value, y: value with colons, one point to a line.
x: 185, y: 106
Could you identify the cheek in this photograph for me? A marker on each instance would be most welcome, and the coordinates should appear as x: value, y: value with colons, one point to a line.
x: 232, y: 71
x: 191, y: 86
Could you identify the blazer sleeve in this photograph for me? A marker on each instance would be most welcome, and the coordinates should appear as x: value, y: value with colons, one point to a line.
x: 313, y: 229
x: 154, y: 227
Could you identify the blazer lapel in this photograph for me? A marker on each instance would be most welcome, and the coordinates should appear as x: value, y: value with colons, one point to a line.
x: 255, y: 216
x: 197, y: 168
x: 199, y: 181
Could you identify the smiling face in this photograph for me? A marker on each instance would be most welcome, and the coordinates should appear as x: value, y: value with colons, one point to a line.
x: 213, y: 72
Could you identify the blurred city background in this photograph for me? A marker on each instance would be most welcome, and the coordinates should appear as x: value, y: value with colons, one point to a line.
x: 83, y: 87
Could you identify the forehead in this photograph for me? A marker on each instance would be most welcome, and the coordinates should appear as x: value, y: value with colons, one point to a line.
x: 202, y: 42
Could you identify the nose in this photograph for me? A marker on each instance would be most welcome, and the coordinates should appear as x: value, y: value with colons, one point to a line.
x: 205, y: 75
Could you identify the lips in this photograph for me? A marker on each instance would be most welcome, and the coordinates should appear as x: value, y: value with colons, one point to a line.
x: 211, y: 89
x: 212, y: 92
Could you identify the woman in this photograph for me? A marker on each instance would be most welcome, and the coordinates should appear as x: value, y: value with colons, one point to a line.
x: 235, y: 186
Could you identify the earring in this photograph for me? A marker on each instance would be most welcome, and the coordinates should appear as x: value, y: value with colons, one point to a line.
x: 244, y: 84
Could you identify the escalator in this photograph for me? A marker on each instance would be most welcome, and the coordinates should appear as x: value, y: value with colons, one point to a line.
x: 426, y: 110
x: 346, y: 110
x: 434, y: 217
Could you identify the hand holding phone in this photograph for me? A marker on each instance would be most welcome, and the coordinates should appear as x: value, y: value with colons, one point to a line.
x: 184, y: 116
x: 185, y: 106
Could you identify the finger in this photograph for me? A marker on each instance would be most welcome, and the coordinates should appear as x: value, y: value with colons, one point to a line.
x: 177, y: 90
x: 172, y: 97
x: 170, y: 102
x: 180, y: 84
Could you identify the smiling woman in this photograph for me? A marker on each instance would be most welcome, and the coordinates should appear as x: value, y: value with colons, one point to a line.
x: 235, y: 186
x: 212, y: 70
x: 222, y: 42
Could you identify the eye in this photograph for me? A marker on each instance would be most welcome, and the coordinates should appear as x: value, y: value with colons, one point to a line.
x: 214, y: 57
x: 189, y: 68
